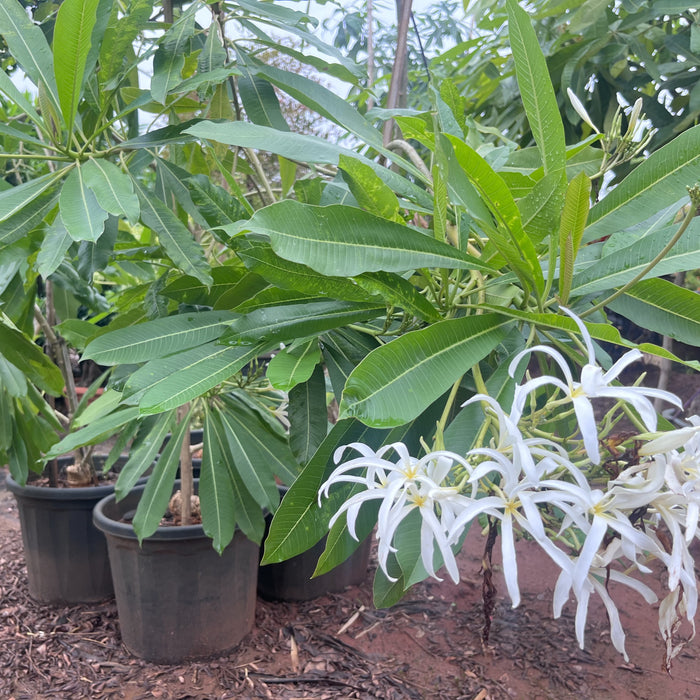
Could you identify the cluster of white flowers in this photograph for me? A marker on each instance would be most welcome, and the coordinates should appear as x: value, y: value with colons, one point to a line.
x: 533, y: 486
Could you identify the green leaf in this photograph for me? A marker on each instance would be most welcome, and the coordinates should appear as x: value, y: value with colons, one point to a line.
x: 573, y: 222
x: 259, y: 257
x: 509, y: 236
x: 397, y: 291
x: 26, y: 220
x: 174, y: 236
x: 307, y: 414
x: 343, y: 350
x: 159, y: 487
x: 297, y: 321
x: 215, y: 204
x: 26, y: 355
x: 53, y: 248
x: 94, y: 433
x: 16, y: 199
x: 28, y: 45
x: 370, y: 191
x: 624, y: 264
x: 664, y: 307
x: 216, y: 495
x: 144, y: 451
x: 112, y: 187
x: 81, y: 213
x: 93, y: 257
x: 173, y: 381
x: 75, y: 22
x: 536, y: 90
x: 213, y: 55
x: 319, y: 98
x: 540, y: 209
x: 310, y: 235
x: 157, y: 338
x: 260, y: 101
x: 397, y: 381
x: 293, y: 366
x: 218, y: 475
x: 656, y: 182
x: 169, y: 59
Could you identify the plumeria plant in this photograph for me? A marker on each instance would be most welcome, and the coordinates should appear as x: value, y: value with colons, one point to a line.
x: 599, y: 522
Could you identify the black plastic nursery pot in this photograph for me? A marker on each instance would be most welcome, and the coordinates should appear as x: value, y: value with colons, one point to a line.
x: 177, y: 598
x: 290, y: 580
x: 66, y: 555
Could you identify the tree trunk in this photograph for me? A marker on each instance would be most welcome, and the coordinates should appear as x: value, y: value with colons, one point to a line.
x: 399, y: 77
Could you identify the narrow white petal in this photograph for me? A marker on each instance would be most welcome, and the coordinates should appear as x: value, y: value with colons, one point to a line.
x: 510, y: 563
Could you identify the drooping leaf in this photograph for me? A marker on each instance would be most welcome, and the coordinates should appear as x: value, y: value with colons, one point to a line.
x: 112, y: 187
x: 370, y: 191
x: 81, y: 213
x: 397, y: 381
x: 159, y: 487
x: 26, y: 220
x: 53, y: 248
x: 663, y: 307
x: 308, y: 418
x: 214, y: 203
x: 174, y: 236
x: 27, y: 356
x: 15, y: 199
x: 260, y: 101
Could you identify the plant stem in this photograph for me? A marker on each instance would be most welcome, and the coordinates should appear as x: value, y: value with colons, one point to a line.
x: 186, y: 480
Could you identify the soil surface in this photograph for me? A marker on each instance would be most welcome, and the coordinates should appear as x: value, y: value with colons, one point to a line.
x: 339, y: 646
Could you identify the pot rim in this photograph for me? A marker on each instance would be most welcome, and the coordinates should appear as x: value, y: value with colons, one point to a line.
x: 126, y: 530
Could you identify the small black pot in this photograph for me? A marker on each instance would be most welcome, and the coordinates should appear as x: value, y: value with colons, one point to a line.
x: 290, y: 580
x: 66, y: 555
x: 177, y: 598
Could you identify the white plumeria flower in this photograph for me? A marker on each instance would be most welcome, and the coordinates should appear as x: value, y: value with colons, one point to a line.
x: 595, y: 383
x: 688, y: 438
x: 403, y: 486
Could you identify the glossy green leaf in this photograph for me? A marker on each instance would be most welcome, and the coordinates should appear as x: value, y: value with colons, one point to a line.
x: 656, y: 182
x: 157, y: 338
x: 53, y: 249
x: 297, y: 321
x: 397, y: 381
x: 236, y: 503
x: 169, y: 59
x: 175, y: 133
x: 29, y: 358
x: 573, y: 222
x: 663, y: 307
x: 28, y: 45
x: 96, y: 432
x: 622, y: 265
x: 343, y: 350
x: 508, y: 236
x: 292, y: 366
x: 312, y: 236
x: 399, y: 292
x: 17, y: 199
x: 144, y: 451
x: 370, y: 191
x: 259, y: 257
x: 112, y: 187
x: 308, y: 416
x: 81, y: 213
x: 215, y: 492
x: 159, y: 487
x: 303, y: 148
x: 189, y: 290
x: 536, y: 89
x: 26, y: 220
x: 215, y: 204
x: 174, y: 236
x: 173, y: 381
x: 540, y: 209
x: 260, y: 101
x: 75, y: 22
